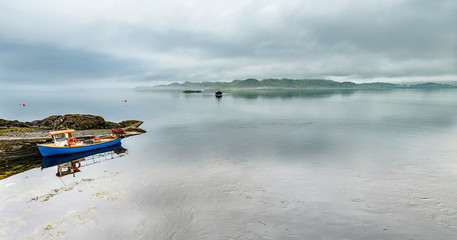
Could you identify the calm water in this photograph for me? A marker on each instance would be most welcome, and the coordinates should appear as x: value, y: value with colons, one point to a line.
x: 284, y: 165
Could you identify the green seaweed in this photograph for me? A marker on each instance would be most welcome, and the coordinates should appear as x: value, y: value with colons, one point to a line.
x: 48, y: 227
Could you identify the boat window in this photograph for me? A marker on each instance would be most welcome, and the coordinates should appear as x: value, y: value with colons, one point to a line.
x: 59, y: 137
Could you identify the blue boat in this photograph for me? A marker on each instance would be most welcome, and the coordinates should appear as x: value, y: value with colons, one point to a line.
x: 64, y: 143
x: 51, y: 161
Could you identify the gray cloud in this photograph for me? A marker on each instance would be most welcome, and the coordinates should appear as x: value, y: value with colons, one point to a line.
x: 151, y: 42
x: 30, y: 63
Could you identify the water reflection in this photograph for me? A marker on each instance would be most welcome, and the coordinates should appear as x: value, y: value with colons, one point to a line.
x: 365, y: 166
x: 298, y: 93
x: 71, y: 164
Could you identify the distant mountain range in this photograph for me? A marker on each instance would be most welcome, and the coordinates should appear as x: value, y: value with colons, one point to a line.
x: 293, y: 84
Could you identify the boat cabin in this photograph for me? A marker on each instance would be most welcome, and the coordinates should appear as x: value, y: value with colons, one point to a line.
x: 62, y: 138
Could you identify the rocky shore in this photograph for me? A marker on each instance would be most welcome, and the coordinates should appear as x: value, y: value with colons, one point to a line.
x: 18, y: 140
x: 73, y: 121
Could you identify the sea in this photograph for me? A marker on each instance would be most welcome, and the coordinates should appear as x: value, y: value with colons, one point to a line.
x: 312, y: 164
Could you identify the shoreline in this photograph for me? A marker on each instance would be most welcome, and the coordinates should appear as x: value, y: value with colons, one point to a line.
x: 14, y: 146
x: 44, y: 134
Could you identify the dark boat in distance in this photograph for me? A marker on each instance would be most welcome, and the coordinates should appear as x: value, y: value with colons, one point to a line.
x: 218, y: 94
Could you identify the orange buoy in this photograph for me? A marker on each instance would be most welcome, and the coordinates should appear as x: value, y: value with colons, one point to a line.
x: 72, y: 141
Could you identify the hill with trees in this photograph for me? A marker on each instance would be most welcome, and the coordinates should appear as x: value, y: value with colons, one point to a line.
x: 285, y: 83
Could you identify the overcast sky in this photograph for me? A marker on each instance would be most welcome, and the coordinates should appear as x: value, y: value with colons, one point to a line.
x: 141, y: 42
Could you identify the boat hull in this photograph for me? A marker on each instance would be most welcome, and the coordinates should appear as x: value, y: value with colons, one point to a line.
x: 52, y: 151
x: 51, y: 161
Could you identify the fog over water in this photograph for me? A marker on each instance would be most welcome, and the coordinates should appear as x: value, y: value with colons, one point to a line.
x: 252, y: 165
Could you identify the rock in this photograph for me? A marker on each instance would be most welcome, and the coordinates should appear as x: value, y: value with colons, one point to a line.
x: 191, y: 91
x: 74, y: 121
x: 127, y: 123
x: 134, y: 129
